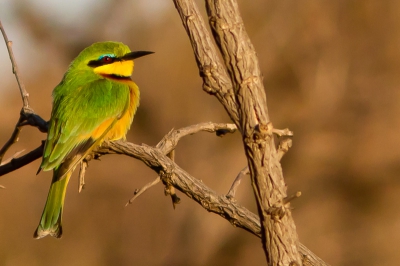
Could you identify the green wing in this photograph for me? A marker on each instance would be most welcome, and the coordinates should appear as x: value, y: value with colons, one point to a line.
x: 78, y: 112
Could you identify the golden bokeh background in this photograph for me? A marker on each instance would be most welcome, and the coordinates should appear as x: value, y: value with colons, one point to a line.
x: 332, y: 74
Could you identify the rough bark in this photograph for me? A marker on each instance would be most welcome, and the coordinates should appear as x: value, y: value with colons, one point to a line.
x: 278, y: 231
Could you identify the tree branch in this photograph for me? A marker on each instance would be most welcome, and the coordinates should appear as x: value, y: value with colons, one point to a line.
x: 215, y: 79
x: 279, y: 237
x: 216, y: 82
x: 156, y: 158
x: 172, y: 174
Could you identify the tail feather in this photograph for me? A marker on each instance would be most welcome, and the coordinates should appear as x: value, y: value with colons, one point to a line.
x: 50, y: 223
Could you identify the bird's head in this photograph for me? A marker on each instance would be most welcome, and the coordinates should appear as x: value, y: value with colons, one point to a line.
x: 108, y: 59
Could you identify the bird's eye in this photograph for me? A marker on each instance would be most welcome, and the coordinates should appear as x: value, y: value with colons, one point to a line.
x: 106, y: 59
x: 103, y: 60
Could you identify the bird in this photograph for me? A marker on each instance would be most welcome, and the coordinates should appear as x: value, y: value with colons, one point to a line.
x: 95, y: 101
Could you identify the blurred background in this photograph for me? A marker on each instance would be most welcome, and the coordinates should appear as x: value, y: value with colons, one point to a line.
x: 331, y: 72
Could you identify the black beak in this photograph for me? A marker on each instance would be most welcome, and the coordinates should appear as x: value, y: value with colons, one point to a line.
x: 134, y: 55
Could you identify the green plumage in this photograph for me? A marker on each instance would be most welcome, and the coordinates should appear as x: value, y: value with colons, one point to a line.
x: 83, y: 102
x: 79, y: 113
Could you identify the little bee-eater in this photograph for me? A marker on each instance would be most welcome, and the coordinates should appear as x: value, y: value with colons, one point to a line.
x: 95, y: 101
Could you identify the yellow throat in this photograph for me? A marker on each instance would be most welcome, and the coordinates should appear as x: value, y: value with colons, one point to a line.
x: 118, y: 68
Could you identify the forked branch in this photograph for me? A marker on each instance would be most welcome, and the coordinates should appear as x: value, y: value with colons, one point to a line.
x: 247, y: 100
x: 27, y: 116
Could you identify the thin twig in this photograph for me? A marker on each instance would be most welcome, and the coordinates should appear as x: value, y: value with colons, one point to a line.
x: 169, y: 189
x: 13, y: 139
x: 291, y: 197
x: 82, y: 171
x: 19, y: 162
x: 15, y: 155
x: 282, y: 132
x: 27, y: 117
x: 283, y: 148
x: 236, y: 183
x: 137, y: 192
x: 24, y: 93
x: 169, y: 141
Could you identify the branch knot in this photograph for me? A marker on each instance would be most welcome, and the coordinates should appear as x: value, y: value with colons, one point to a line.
x: 278, y: 210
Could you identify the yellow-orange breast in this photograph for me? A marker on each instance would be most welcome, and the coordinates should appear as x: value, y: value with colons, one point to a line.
x: 123, y: 124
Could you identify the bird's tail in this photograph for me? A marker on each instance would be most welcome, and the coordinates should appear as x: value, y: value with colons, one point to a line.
x: 50, y: 223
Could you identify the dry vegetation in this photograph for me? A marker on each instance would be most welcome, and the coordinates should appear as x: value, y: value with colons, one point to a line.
x: 331, y: 75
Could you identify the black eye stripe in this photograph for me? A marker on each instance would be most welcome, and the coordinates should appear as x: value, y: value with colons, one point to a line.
x: 95, y: 63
